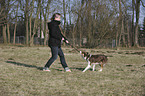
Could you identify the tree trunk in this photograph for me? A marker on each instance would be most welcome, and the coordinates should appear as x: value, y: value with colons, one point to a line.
x: 15, y: 32
x: 45, y: 24
x: 119, y: 42
x: 69, y: 11
x: 27, y: 32
x: 89, y: 24
x: 76, y: 27
x: 8, y: 31
x: 4, y: 34
x: 30, y: 25
x: 15, y: 25
x: 27, y: 21
x: 30, y: 20
x: 73, y: 34
x: 128, y: 35
x: 119, y: 24
x: 81, y: 24
x: 94, y: 30
x: 64, y: 13
x: 35, y: 25
x: 7, y: 11
x: 123, y: 33
x: 80, y: 30
x: 121, y: 37
x: 136, y: 36
x: 132, y: 26
x: 137, y: 8
x: 34, y: 32
x: 117, y: 38
x: 45, y: 31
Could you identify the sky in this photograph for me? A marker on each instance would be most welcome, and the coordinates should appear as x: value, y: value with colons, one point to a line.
x: 142, y: 13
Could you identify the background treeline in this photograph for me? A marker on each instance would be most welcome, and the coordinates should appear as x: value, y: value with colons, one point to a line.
x: 87, y: 23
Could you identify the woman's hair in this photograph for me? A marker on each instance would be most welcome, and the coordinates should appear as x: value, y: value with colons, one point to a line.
x: 54, y: 15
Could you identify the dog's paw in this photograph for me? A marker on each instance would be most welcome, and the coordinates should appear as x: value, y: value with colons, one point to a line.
x: 100, y: 70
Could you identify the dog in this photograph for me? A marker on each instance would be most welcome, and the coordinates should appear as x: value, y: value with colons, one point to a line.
x: 93, y: 60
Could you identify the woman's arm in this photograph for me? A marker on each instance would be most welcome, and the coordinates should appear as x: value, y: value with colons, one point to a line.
x: 63, y: 37
x: 54, y: 32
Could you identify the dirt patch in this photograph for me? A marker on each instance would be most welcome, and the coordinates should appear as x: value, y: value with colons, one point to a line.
x: 110, y: 51
x: 136, y: 53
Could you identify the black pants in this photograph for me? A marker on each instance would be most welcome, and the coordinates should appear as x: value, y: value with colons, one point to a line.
x: 55, y: 51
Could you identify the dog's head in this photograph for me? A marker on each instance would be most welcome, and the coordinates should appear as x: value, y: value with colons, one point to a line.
x: 85, y: 55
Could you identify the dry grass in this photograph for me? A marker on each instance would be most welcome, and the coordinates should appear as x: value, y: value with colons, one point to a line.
x: 21, y: 73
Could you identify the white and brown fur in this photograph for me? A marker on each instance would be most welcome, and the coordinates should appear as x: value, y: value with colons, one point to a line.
x: 93, y: 60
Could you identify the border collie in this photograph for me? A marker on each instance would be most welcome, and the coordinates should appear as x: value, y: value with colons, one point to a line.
x: 93, y: 60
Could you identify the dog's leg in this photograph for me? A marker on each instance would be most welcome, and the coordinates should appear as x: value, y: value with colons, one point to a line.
x: 104, y: 65
x: 89, y: 66
x: 94, y: 67
x: 101, y: 67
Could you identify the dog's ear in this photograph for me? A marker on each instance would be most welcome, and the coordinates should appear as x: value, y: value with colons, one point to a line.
x: 87, y: 53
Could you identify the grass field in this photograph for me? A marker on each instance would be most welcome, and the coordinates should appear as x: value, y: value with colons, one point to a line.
x: 21, y: 73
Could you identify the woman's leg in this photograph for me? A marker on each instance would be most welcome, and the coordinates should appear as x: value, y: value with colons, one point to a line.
x: 54, y: 52
x: 62, y: 58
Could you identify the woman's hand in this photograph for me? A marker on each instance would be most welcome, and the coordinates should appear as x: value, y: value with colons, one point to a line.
x: 65, y: 40
x: 62, y: 39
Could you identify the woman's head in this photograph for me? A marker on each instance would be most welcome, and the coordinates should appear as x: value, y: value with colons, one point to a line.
x: 56, y: 16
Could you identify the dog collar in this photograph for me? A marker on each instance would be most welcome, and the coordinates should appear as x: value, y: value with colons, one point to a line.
x: 89, y: 57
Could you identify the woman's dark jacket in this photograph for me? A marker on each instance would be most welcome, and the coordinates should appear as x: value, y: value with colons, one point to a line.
x: 55, y: 35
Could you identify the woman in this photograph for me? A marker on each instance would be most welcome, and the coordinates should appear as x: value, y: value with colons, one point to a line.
x: 55, y: 37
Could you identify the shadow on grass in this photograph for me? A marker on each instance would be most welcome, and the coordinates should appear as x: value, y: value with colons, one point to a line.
x: 57, y: 69
x: 25, y: 65
x: 81, y: 69
x: 30, y: 66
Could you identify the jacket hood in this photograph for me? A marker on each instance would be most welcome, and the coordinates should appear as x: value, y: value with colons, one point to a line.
x: 56, y: 22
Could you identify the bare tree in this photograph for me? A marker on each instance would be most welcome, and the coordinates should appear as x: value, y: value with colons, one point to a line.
x: 4, y: 34
x: 26, y: 13
x: 35, y: 23
x: 8, y: 31
x: 64, y: 14
x: 89, y: 22
x: 30, y: 18
x: 137, y: 4
x: 78, y: 26
x: 3, y: 20
x: 127, y: 39
x: 119, y: 23
x: 128, y: 34
x: 2, y: 16
x: 5, y: 8
x: 15, y: 24
x: 132, y: 26
x: 91, y: 19
x: 137, y: 9
x: 46, y: 15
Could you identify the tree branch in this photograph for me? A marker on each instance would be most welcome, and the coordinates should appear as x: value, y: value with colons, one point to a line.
x: 3, y: 24
x: 134, y: 3
x: 3, y: 17
x: 142, y: 3
x: 1, y: 10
